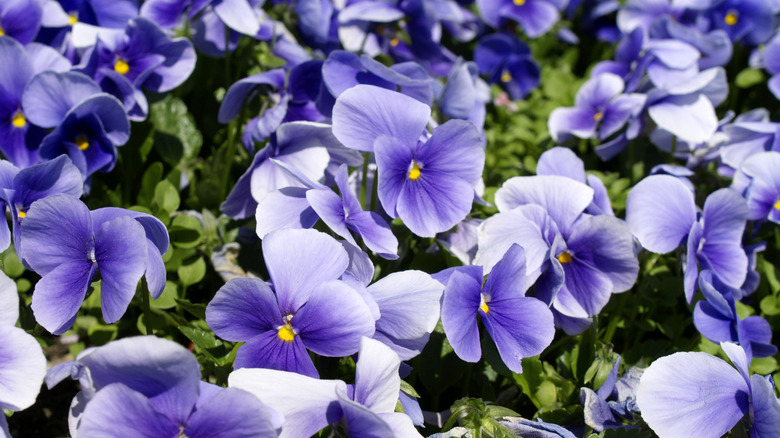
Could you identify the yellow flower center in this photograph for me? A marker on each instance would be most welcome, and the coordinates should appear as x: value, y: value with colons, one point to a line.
x: 73, y: 18
x: 731, y: 18
x: 598, y: 116
x: 518, y: 2
x: 286, y: 333
x: 394, y: 42
x: 22, y: 214
x: 121, y: 66
x: 2, y: 31
x: 19, y: 120
x: 484, y: 307
x: 82, y: 142
x: 505, y: 76
x: 777, y: 204
x: 414, y: 172
x: 565, y: 257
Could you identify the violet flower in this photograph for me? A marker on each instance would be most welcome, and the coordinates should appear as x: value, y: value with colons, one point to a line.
x: 716, y: 319
x: 534, y: 16
x: 763, y: 192
x: 19, y: 138
x: 20, y: 188
x: 21, y: 19
x: 308, y: 308
x: 662, y: 214
x: 89, y: 124
x: 748, y: 21
x: 430, y: 184
x: 506, y: 60
x: 61, y: 244
x: 696, y: 394
x: 520, y: 326
x: 150, y: 387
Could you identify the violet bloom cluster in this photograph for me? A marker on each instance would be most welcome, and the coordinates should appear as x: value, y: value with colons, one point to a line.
x: 696, y: 394
x: 150, y: 387
x: 520, y: 326
x: 67, y: 244
x: 535, y: 17
x: 576, y: 259
x: 662, y: 214
x: 758, y: 180
x: 308, y: 405
x: 22, y: 364
x: 428, y: 180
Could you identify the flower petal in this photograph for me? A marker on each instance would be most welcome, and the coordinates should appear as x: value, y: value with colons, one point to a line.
x: 242, y: 309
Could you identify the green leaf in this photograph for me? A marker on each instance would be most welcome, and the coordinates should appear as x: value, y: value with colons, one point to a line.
x: 166, y: 198
x: 185, y: 231
x: 152, y: 176
x: 763, y: 365
x: 749, y: 77
x: 11, y: 264
x: 193, y: 272
x: 168, y: 297
x: 175, y: 134
x: 196, y: 309
x: 214, y: 349
x: 409, y: 390
x: 770, y: 305
x: 100, y: 334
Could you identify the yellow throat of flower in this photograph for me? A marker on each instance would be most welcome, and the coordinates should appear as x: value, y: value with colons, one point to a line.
x: 121, y: 66
x: 564, y: 257
x: 731, y: 18
x: 82, y: 142
x: 286, y: 333
x: 414, y: 172
x: 18, y: 120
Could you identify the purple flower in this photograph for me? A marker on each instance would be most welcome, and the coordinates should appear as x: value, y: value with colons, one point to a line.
x: 143, y: 57
x: 600, y: 412
x: 506, y: 60
x: 662, y: 214
x: 696, y: 394
x: 308, y: 307
x: 89, y: 124
x: 62, y: 245
x: 534, y: 16
x: 428, y: 183
x: 748, y: 21
x: 581, y: 260
x: 763, y: 192
x: 716, y: 319
x: 19, y: 139
x: 150, y: 387
x: 21, y: 19
x: 600, y: 110
x: 520, y: 326
x: 771, y: 60
x: 563, y: 162
x: 20, y: 188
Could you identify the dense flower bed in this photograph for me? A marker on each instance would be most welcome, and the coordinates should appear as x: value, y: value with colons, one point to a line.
x: 389, y: 218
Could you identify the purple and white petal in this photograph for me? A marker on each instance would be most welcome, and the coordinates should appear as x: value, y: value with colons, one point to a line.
x: 231, y: 413
x: 459, y: 315
x: 118, y: 411
x: 22, y: 368
x: 660, y: 211
x: 242, y: 309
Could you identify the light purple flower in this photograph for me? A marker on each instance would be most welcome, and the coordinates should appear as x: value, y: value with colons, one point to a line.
x: 308, y: 308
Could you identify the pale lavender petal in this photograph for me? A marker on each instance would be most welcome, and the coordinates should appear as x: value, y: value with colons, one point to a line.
x: 692, y: 394
x: 738, y: 357
x: 120, y: 251
x: 455, y: 148
x: 501, y: 230
x: 118, y: 411
x: 766, y: 409
x: 237, y: 15
x: 691, y: 267
x: 300, y: 260
x: 691, y: 118
x: 393, y: 158
x: 507, y: 279
x: 22, y: 368
x: 231, y: 413
x: 364, y: 112
x: 572, y: 121
x: 49, y: 96
x: 562, y: 162
x: 307, y: 404
x: 284, y: 208
x: 597, y: 91
x: 377, y: 381
x: 361, y: 421
x: 712, y: 324
x: 9, y: 301
x: 409, y: 306
x: 563, y: 198
x: 459, y: 316
x: 660, y: 211
x: 333, y: 320
x: 243, y: 308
